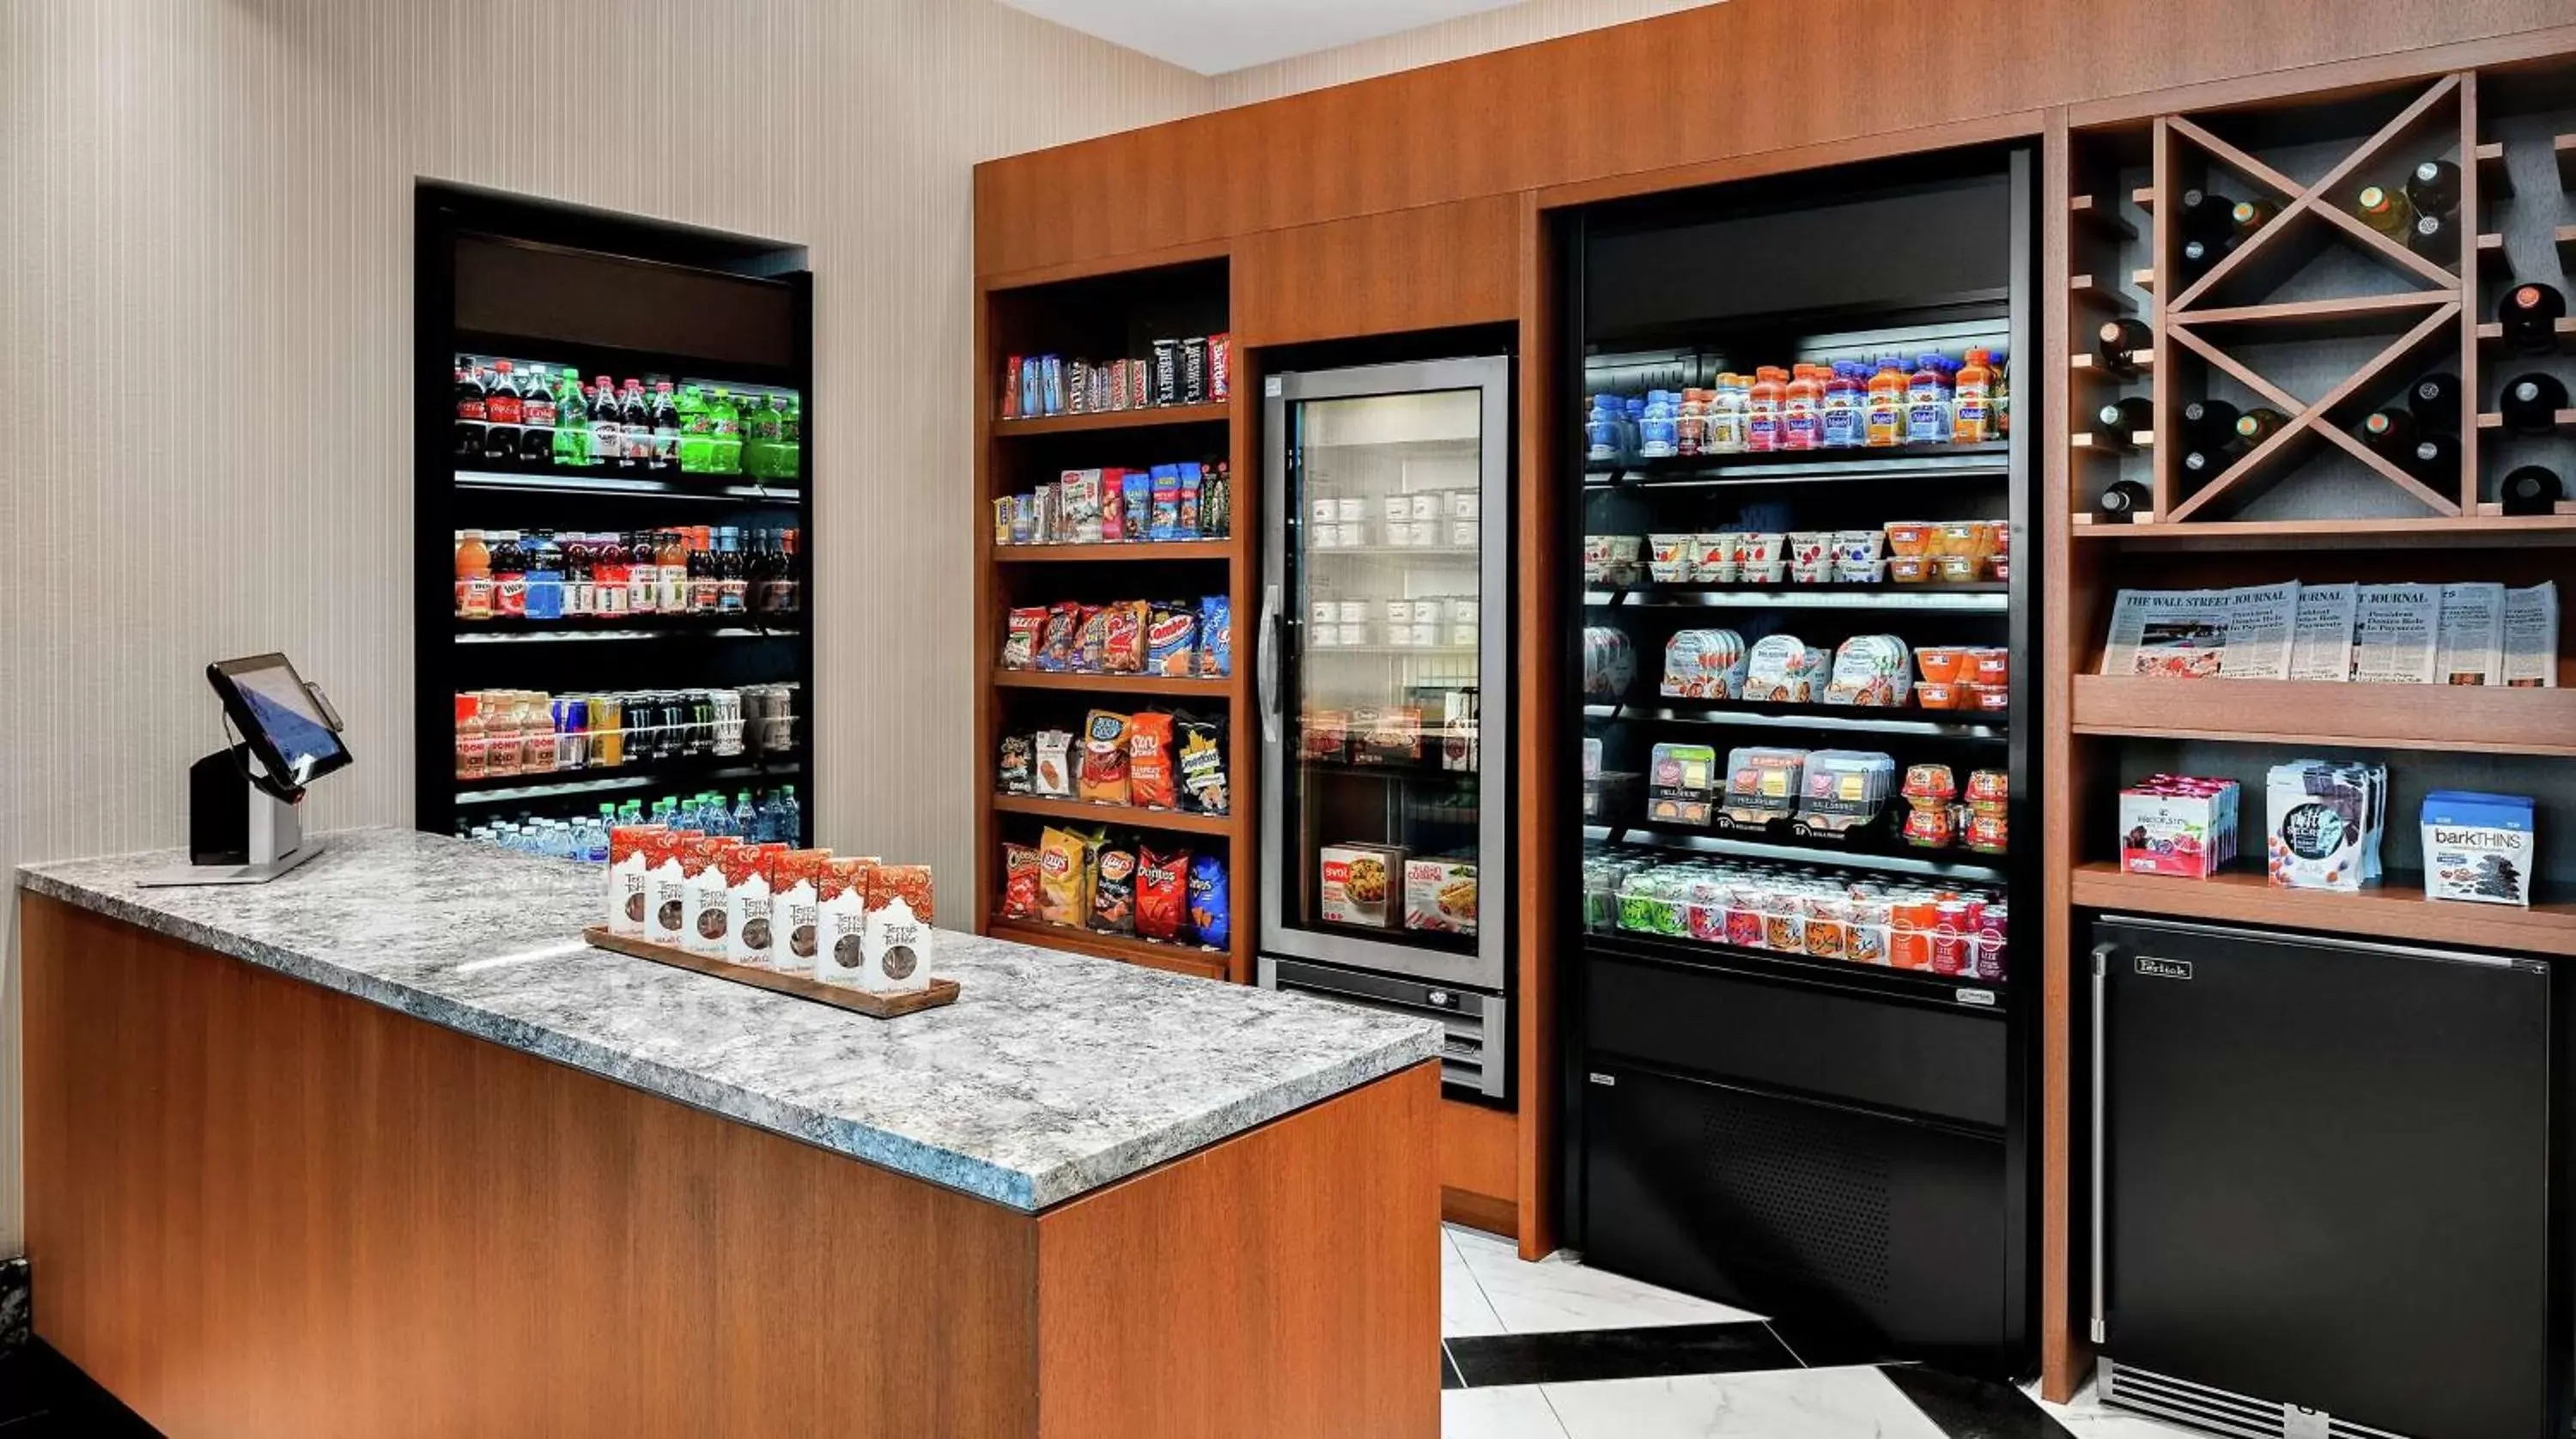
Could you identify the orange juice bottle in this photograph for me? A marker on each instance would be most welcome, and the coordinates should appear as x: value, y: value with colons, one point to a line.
x: 1972, y: 413
x: 1883, y: 417
x: 1802, y: 421
x: 1762, y: 410
x: 473, y: 577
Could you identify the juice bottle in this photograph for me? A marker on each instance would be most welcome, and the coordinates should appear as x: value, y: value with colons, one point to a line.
x: 509, y: 576
x: 1762, y: 410
x: 472, y: 755
x: 1690, y: 423
x: 1927, y: 402
x: 643, y: 575
x: 1802, y: 420
x: 1842, y: 409
x: 2002, y: 387
x: 500, y: 732
x: 473, y: 577
x: 1726, y: 417
x: 671, y: 558
x: 1883, y: 415
x: 1972, y: 408
x: 705, y: 586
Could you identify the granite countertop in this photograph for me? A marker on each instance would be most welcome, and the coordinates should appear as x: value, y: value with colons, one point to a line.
x: 1052, y: 1075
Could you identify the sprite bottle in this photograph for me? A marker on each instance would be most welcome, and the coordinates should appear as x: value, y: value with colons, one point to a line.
x: 572, y: 423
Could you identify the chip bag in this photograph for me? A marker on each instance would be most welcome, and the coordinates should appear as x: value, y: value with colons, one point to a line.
x: 1216, y: 637
x: 1209, y: 900
x: 1113, y: 888
x: 1162, y: 894
x: 1019, y: 881
x: 1122, y: 637
x: 1201, y: 764
x: 1064, y: 877
x: 1059, y: 643
x: 1020, y: 638
x: 1151, y: 779
x: 1171, y: 642
x: 1091, y: 638
x: 1102, y: 778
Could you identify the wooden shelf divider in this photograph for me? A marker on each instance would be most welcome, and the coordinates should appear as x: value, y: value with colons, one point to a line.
x: 2461, y: 719
x: 2397, y: 910
x: 2564, y: 148
x: 1147, y: 418
x: 1141, y: 550
x: 2101, y: 215
x: 2495, y: 182
x: 1083, y: 811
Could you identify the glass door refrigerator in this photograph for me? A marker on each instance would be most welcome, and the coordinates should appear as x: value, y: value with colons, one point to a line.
x: 1383, y: 626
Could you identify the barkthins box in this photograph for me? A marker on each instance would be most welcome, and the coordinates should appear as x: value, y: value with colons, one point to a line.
x: 1358, y: 884
x: 2479, y: 847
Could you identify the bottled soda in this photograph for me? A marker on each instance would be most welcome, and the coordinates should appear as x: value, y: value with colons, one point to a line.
x: 760, y: 439
x: 635, y: 429
x: 791, y: 438
x: 695, y: 432
x: 572, y: 425
x: 724, y: 430
x: 536, y: 418
x: 666, y: 429
x: 604, y: 423
x: 470, y: 413
x: 501, y: 407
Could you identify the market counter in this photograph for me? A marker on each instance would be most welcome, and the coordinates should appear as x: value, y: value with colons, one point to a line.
x: 388, y: 1120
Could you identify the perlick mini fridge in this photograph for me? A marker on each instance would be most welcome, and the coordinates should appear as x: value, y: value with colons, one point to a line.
x: 1384, y: 630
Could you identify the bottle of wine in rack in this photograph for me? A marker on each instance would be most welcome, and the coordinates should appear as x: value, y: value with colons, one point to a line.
x: 2208, y: 422
x: 2123, y: 418
x: 2391, y: 433
x: 2124, y: 501
x: 2250, y: 216
x: 2531, y: 403
x: 2434, y: 400
x: 2434, y: 188
x: 2259, y: 424
x: 2529, y: 314
x: 2205, y: 215
x: 2531, y: 490
x: 2386, y: 211
x: 2435, y: 458
x: 2435, y: 237
x: 2118, y: 342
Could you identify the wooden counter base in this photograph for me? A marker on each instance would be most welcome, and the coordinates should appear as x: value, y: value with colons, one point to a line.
x: 257, y: 1207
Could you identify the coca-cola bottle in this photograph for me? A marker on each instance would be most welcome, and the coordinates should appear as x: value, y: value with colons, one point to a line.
x: 536, y: 419
x: 471, y: 416
x: 635, y: 428
x: 502, y: 407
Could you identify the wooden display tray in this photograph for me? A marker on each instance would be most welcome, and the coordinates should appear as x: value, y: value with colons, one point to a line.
x: 857, y: 1001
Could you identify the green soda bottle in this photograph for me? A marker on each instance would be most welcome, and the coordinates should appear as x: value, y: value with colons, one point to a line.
x: 791, y: 439
x: 572, y: 423
x: 724, y: 453
x: 694, y: 433
x: 760, y: 439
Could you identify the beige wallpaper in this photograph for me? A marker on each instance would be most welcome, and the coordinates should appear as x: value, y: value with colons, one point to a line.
x: 206, y: 317
x: 1522, y: 24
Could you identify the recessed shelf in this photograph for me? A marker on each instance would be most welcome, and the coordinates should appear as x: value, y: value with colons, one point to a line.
x: 2099, y: 293
x: 1976, y: 996
x: 2396, y: 909
x: 1689, y: 841
x: 1135, y: 816
x: 2100, y: 214
x: 1410, y: 552
x: 2564, y: 147
x: 567, y: 482
x: 2560, y: 422
x: 644, y: 774
x: 2495, y: 182
x: 1990, y: 597
x: 615, y: 633
x: 1911, y: 465
x: 1209, y: 414
x: 1147, y: 550
x: 1186, y: 959
x: 2491, y: 335
x: 1111, y: 684
x: 2468, y: 719
x: 2089, y: 362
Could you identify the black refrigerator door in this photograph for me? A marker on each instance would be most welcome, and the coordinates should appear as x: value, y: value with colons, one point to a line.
x: 2326, y: 1170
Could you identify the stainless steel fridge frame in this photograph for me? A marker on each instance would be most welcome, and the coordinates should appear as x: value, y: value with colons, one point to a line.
x: 1490, y: 967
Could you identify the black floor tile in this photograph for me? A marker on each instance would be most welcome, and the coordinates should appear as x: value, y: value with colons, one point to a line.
x: 1823, y: 1346
x: 1618, y: 1354
x: 42, y: 1395
x: 1963, y: 1408
x: 1449, y: 1375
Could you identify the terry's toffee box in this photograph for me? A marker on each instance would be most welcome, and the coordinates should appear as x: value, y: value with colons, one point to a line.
x: 627, y: 848
x: 748, y: 911
x: 841, y: 914
x: 796, y: 886
x: 666, y: 885
x: 899, y: 945
x: 705, y: 890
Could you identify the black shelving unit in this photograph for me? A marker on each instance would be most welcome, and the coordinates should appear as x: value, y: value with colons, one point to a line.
x: 1846, y: 1145
x: 599, y: 293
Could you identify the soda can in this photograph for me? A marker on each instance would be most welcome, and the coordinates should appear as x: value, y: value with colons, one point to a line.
x: 1988, y: 954
x: 1953, y: 937
x: 1194, y: 370
x: 1167, y: 372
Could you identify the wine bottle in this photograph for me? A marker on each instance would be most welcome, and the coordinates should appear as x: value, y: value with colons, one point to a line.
x: 2531, y: 403
x: 2259, y: 424
x: 2435, y: 237
x: 2208, y: 421
x: 2435, y: 459
x: 2434, y: 188
x: 2123, y: 418
x: 2530, y: 315
x: 2530, y: 490
x: 2198, y: 256
x: 2118, y: 341
x: 2124, y: 501
x: 2250, y: 216
x: 2205, y: 214
x: 2435, y: 403
x: 2385, y: 210
x: 2207, y: 461
x: 2390, y: 432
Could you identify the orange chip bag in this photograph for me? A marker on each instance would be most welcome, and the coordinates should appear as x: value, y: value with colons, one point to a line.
x: 1019, y: 881
x: 1149, y: 762
x: 1103, y: 775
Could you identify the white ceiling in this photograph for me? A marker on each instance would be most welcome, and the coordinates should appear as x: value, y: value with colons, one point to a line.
x: 1215, y: 36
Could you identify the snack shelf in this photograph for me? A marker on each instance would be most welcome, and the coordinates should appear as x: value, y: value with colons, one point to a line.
x: 547, y: 632
x: 613, y: 486
x: 1112, y: 684
x: 645, y: 774
x: 2393, y: 909
x: 1142, y: 550
x: 1699, y: 841
x: 1989, y: 460
x: 1130, y: 815
x: 1897, y: 719
x: 2469, y: 719
x: 1948, y: 991
x: 1985, y: 597
x: 1177, y: 958
x: 1210, y: 414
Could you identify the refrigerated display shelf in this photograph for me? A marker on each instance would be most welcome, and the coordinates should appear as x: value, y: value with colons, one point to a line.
x: 648, y: 774
x: 1982, y: 995
x: 480, y: 634
x: 1451, y: 652
x: 1423, y: 771
x: 618, y: 486
x: 1894, y: 720
x: 620, y: 362
x: 1409, y: 552
x: 1133, y: 816
x: 1983, y: 597
x: 1886, y: 861
x: 1978, y: 461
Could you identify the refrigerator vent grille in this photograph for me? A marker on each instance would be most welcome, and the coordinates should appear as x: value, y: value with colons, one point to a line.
x: 2204, y: 1406
x: 1811, y: 1197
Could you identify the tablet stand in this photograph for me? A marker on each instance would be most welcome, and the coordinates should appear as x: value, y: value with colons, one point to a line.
x: 239, y: 831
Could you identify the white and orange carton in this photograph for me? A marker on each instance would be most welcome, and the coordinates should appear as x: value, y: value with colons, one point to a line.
x: 705, y: 887
x: 795, y: 894
x: 666, y: 884
x: 749, y: 932
x: 899, y: 945
x: 841, y: 915
x: 627, y: 846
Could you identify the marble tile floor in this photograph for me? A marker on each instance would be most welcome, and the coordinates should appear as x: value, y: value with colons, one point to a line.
x: 1559, y: 1351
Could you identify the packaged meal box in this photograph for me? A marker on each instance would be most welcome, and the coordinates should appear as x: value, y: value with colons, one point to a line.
x: 841, y: 911
x: 1389, y: 735
x: 1783, y: 670
x: 1681, y: 784
x: 1357, y: 884
x: 897, y: 951
x: 1871, y: 670
x: 1440, y: 895
x: 1762, y: 785
x: 1844, y: 790
x: 1705, y: 665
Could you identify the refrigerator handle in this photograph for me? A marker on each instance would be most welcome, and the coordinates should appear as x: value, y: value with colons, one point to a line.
x: 2101, y: 1140
x: 1266, y: 663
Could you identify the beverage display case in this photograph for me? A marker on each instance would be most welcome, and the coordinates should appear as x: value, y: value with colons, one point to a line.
x: 1801, y: 1023
x: 612, y: 472
x: 1383, y: 633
